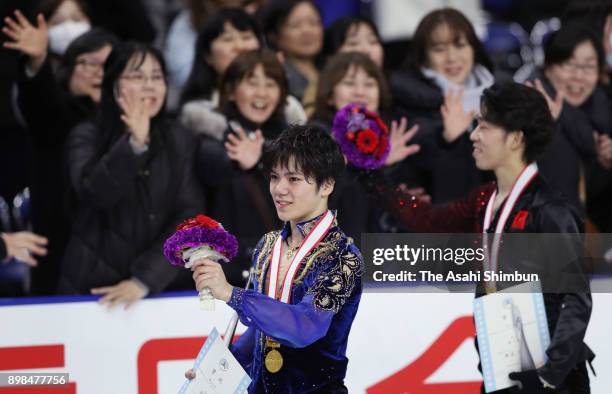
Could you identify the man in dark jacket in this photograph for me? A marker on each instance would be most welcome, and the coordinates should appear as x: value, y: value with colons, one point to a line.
x: 516, y: 126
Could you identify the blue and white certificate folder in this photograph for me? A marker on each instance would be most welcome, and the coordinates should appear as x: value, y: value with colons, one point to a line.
x: 512, y: 333
x: 217, y: 370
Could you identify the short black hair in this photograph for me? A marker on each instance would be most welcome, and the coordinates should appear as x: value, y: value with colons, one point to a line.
x: 203, y: 78
x: 274, y: 15
x: 590, y: 13
x: 128, y: 54
x: 314, y: 150
x: 91, y: 41
x: 458, y: 24
x: 516, y: 107
x: 562, y: 43
x: 336, y: 33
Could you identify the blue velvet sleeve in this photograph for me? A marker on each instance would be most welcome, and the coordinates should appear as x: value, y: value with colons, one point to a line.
x: 299, y: 325
x: 292, y: 325
x: 242, y: 349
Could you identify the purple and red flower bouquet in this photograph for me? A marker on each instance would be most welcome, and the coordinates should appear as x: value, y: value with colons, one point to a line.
x: 200, y: 238
x: 362, y: 135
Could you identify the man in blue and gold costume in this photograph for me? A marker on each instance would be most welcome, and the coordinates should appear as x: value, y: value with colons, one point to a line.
x: 306, y: 278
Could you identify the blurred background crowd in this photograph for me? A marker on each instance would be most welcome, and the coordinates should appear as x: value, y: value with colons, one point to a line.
x: 120, y: 119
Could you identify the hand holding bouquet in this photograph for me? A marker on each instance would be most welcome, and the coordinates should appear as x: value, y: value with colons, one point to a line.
x: 200, y: 238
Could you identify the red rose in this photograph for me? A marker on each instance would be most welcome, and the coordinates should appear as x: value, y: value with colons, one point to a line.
x: 207, y: 222
x: 367, y: 141
x: 198, y: 221
x: 189, y: 223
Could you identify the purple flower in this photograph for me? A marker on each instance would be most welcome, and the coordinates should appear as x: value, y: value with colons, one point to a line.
x: 217, y: 238
x: 349, y: 122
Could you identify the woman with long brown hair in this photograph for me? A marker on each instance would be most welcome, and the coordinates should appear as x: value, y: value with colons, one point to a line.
x: 354, y: 78
x: 440, y: 87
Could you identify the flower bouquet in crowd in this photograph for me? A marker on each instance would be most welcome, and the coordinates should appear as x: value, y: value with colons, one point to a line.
x: 362, y: 135
x: 200, y: 238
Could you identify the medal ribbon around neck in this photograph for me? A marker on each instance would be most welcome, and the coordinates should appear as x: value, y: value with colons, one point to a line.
x: 521, y: 183
x: 312, y: 239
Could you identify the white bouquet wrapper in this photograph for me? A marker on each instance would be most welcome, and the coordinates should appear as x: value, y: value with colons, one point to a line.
x: 190, y: 256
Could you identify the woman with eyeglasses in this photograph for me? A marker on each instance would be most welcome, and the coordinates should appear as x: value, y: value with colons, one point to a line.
x: 132, y: 171
x: 52, y: 100
x: 569, y: 80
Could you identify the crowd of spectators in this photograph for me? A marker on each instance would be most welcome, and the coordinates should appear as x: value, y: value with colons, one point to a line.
x: 124, y: 118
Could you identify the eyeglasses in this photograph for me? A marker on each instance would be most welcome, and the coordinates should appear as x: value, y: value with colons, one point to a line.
x: 587, y: 69
x: 90, y: 64
x: 141, y: 79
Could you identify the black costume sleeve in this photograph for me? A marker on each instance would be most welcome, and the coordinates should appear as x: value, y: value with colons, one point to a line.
x: 574, y: 309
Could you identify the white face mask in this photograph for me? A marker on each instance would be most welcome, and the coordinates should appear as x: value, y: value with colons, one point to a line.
x: 60, y: 36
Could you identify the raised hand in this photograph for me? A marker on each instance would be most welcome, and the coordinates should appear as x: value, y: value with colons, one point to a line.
x: 135, y: 116
x: 554, y: 105
x: 454, y: 118
x: 246, y: 150
x: 398, y: 139
x: 28, y: 39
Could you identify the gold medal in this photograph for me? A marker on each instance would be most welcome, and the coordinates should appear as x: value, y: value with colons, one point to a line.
x: 274, y: 358
x: 274, y: 361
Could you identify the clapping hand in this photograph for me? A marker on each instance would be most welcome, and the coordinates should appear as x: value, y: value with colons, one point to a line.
x: 246, y: 150
x: 135, y: 116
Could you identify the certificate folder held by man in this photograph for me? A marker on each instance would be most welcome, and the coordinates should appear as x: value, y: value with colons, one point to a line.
x: 512, y: 333
x: 216, y: 370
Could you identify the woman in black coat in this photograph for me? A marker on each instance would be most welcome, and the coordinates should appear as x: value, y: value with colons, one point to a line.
x: 251, y: 112
x: 53, y: 101
x: 569, y: 80
x: 353, y: 78
x: 440, y: 90
x: 133, y: 174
